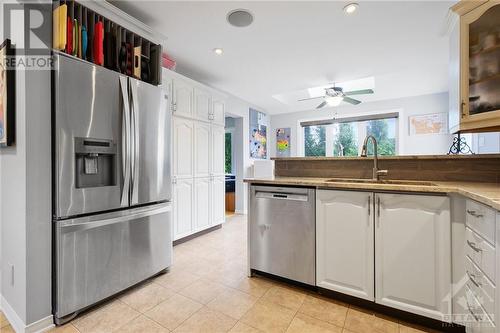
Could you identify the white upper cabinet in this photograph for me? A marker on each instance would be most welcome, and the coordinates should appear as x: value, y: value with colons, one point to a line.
x: 182, y: 98
x: 412, y: 253
x: 217, y: 150
x: 202, y: 149
x: 183, y: 144
x: 344, y: 242
x: 218, y: 203
x: 202, y: 104
x: 218, y: 111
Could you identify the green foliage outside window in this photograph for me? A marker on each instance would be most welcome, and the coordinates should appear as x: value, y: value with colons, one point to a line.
x: 228, y: 154
x: 314, y: 141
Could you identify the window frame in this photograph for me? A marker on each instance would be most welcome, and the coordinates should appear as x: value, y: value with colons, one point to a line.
x: 301, y: 124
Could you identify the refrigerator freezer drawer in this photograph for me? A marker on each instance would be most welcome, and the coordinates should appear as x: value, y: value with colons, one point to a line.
x: 101, y: 255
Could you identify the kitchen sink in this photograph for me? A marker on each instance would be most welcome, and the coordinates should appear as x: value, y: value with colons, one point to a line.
x: 381, y: 181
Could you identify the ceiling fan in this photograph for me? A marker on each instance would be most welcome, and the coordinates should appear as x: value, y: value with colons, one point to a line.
x: 335, y: 95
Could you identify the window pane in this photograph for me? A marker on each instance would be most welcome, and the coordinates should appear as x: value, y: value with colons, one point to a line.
x: 314, y: 141
x: 384, y: 130
x: 345, y: 139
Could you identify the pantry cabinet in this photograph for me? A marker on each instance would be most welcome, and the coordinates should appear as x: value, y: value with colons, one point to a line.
x: 344, y: 242
x: 202, y: 104
x: 479, y: 67
x: 202, y: 144
x: 413, y: 253
x: 183, y: 143
x: 198, y: 155
x: 217, y: 151
x: 182, y: 97
x: 182, y: 213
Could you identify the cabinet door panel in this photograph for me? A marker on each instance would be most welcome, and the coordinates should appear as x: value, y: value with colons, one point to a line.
x: 413, y: 257
x: 218, y: 203
x: 202, y: 150
x: 344, y: 242
x: 218, y: 111
x: 183, y: 98
x: 217, y: 150
x: 202, y: 207
x: 202, y: 104
x: 183, y: 208
x: 183, y: 138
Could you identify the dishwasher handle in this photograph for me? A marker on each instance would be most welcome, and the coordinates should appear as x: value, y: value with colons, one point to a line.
x: 282, y: 196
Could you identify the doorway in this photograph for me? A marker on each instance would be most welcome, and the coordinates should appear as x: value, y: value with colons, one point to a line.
x: 230, y: 193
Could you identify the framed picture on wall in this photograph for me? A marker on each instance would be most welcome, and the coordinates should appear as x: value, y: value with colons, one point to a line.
x: 7, y: 96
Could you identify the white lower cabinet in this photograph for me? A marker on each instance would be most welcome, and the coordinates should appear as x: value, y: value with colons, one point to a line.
x: 218, y: 200
x: 202, y: 207
x: 413, y: 254
x: 344, y: 242
x: 182, y: 207
x: 397, y: 244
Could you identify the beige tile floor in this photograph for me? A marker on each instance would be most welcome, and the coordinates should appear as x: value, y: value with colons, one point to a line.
x: 207, y: 290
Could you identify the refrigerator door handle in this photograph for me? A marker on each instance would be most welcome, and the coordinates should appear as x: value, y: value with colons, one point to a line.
x: 75, y: 225
x: 135, y: 144
x: 125, y: 142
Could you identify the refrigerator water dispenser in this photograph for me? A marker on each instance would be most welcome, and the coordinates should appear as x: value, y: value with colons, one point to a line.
x: 95, y: 161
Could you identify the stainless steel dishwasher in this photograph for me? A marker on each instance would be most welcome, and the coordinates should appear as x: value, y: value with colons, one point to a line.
x: 282, y: 232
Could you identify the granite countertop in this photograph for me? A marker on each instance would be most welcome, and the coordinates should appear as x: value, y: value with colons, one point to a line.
x: 486, y: 193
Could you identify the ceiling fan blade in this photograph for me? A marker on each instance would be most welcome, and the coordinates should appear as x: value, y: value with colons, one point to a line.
x: 359, y: 92
x: 321, y: 105
x: 306, y: 99
x: 351, y: 101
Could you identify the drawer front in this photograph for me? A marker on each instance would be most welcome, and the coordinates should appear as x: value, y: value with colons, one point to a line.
x: 481, y: 253
x: 478, y: 321
x: 481, y: 287
x: 481, y: 219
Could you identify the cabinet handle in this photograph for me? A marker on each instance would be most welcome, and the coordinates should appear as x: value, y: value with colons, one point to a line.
x: 474, y: 246
x: 472, y: 278
x: 462, y: 109
x: 473, y: 213
x: 369, y: 204
x: 378, y: 206
x: 472, y: 312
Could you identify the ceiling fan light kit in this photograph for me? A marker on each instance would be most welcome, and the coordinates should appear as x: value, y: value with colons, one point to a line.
x: 336, y: 95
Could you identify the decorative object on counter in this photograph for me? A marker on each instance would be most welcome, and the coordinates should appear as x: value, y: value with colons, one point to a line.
x: 433, y: 123
x: 283, y: 142
x: 7, y: 96
x: 460, y: 146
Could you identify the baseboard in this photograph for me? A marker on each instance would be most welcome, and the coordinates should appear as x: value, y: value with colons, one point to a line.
x: 19, y: 326
x: 240, y: 212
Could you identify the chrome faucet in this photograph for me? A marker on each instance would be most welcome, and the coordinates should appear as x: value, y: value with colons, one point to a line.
x: 376, y: 172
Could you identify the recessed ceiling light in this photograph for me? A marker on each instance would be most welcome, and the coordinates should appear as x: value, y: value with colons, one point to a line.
x: 240, y: 18
x: 218, y: 51
x: 351, y: 8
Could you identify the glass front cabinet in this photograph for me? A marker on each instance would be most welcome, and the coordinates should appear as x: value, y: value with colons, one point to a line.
x: 479, y: 66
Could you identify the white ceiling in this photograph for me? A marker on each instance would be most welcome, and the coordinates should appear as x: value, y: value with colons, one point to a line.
x: 295, y: 45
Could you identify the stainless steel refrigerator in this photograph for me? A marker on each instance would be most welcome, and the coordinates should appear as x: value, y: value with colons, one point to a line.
x: 112, y: 192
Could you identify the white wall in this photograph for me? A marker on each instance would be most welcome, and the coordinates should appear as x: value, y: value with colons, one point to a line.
x: 408, y: 145
x: 25, y: 205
